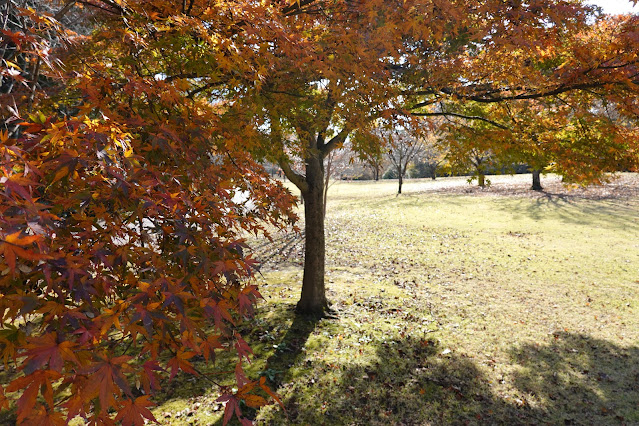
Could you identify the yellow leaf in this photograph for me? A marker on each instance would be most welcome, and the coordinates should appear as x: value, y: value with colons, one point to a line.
x: 17, y: 240
x: 60, y: 174
x: 13, y: 65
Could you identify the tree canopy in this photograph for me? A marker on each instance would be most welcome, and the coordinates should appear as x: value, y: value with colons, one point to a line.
x: 129, y: 159
x: 121, y: 226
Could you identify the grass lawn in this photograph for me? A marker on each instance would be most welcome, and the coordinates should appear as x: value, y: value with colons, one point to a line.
x: 454, y: 306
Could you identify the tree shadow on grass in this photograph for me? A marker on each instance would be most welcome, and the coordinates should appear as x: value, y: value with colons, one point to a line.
x: 289, y: 349
x: 578, y: 379
x: 605, y: 213
x: 267, y: 333
x: 573, y: 379
x: 410, y: 383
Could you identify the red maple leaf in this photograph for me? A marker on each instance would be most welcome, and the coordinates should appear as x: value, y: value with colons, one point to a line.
x: 134, y: 412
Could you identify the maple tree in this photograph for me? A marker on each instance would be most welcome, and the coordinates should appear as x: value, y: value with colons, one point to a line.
x: 473, y: 145
x: 125, y: 195
x: 120, y: 224
x: 343, y: 66
x: 578, y: 134
x: 580, y: 142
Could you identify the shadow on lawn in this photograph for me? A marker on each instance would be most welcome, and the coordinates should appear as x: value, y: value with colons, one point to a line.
x: 581, y: 380
x: 573, y: 379
x: 607, y: 214
x: 289, y: 349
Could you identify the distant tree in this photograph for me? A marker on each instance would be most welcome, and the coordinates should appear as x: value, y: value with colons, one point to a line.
x: 580, y: 138
x: 402, y: 148
x: 428, y: 162
x: 369, y: 151
x: 471, y: 146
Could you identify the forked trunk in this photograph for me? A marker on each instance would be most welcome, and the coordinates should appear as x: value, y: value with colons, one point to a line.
x: 536, y: 180
x: 313, y: 300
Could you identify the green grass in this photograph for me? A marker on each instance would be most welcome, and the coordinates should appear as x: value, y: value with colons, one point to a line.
x: 453, y: 307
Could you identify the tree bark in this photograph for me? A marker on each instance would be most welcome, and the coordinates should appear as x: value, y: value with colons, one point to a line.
x: 481, y: 180
x: 536, y: 180
x: 313, y: 300
x: 326, y: 179
x: 400, y: 179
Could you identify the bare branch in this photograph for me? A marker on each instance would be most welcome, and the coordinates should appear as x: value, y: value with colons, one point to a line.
x: 466, y: 117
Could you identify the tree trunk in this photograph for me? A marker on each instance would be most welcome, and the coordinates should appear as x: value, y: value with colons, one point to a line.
x: 481, y: 180
x: 401, y: 181
x: 536, y: 180
x: 324, y: 198
x: 313, y: 300
x: 327, y: 181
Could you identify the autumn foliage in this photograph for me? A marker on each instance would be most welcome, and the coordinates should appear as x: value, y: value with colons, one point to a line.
x: 120, y: 232
x: 128, y: 172
x: 580, y: 134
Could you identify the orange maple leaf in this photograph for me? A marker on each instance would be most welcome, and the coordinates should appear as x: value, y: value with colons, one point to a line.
x: 180, y: 362
x: 134, y: 412
x: 102, y: 382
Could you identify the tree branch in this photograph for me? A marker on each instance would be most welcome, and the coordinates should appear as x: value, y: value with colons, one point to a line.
x: 119, y: 10
x: 296, y: 7
x: 486, y: 94
x: 537, y: 95
x: 466, y: 117
x: 64, y: 10
x: 297, y: 179
x: 336, y: 140
x: 207, y: 86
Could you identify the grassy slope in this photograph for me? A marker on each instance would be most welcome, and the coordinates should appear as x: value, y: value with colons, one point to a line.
x: 455, y: 308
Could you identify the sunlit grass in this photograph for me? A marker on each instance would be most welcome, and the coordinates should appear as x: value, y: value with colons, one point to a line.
x: 458, y: 308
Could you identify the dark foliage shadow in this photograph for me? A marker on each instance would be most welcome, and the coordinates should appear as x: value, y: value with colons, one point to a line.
x: 289, y: 349
x: 411, y: 383
x: 605, y: 213
x: 579, y: 379
x: 573, y: 379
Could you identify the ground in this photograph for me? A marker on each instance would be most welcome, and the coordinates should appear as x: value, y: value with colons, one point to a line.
x: 454, y: 305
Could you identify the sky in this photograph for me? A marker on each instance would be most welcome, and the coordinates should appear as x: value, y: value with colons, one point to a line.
x: 615, y: 6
